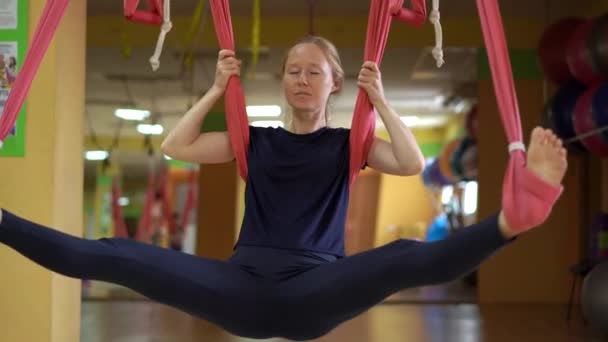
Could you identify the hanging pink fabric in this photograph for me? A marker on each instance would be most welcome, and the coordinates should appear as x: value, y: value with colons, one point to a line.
x: 152, y: 16
x: 144, y: 226
x: 364, y: 118
x: 190, y: 199
x: 120, y: 228
x: 521, y: 187
x: 45, y: 30
x: 236, y: 114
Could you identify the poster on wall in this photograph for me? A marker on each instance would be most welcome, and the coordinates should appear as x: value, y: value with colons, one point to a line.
x: 13, y: 45
x: 8, y: 72
x: 8, y: 14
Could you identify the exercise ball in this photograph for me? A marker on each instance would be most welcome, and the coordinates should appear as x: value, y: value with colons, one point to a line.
x: 470, y: 122
x: 599, y: 44
x: 437, y: 178
x: 584, y: 123
x: 469, y: 162
x: 579, y: 56
x: 599, y: 115
x: 461, y: 155
x: 558, y: 112
x: 552, y: 49
x: 444, y: 160
x: 426, y: 173
x: 594, y: 297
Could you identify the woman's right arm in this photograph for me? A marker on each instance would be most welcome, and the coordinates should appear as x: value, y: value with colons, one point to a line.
x: 185, y: 141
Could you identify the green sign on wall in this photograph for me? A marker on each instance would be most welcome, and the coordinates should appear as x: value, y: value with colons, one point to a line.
x: 13, y: 46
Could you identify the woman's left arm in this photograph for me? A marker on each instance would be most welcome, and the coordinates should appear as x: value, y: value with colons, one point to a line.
x: 401, y: 156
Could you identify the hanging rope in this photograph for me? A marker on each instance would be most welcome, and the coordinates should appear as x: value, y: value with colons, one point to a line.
x: 165, y: 28
x: 157, y: 13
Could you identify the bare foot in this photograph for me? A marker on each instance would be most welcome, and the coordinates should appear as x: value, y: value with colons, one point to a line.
x: 547, y: 158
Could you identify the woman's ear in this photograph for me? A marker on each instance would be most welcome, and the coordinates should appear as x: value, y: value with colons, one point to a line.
x: 337, y: 86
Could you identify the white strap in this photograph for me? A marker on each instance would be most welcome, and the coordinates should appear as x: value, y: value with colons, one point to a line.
x: 165, y: 28
x: 517, y: 145
x: 434, y: 19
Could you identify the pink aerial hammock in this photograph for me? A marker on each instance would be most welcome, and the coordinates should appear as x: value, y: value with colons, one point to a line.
x: 521, y: 188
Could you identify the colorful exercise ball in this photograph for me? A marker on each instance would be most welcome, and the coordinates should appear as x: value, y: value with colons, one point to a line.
x: 437, y: 177
x: 599, y: 116
x: 584, y: 117
x: 426, y: 173
x: 444, y: 160
x: 558, y: 112
x: 580, y: 57
x: 469, y: 162
x: 464, y: 160
x: 599, y: 44
x: 470, y: 122
x: 552, y: 49
x: 594, y: 297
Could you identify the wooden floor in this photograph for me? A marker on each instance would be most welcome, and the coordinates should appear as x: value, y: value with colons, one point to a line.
x: 143, y: 321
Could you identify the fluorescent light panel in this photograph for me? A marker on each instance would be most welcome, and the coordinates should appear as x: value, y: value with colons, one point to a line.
x: 132, y: 114
x: 257, y: 111
x: 96, y: 155
x: 267, y: 123
x: 150, y: 129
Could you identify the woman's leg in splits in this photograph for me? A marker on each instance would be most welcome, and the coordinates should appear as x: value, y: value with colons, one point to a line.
x: 209, y: 289
x: 352, y: 285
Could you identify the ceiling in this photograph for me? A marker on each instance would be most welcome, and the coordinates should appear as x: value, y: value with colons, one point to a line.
x: 408, y: 74
x: 518, y: 8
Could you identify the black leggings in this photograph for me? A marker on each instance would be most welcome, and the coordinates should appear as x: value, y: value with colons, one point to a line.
x: 259, y: 292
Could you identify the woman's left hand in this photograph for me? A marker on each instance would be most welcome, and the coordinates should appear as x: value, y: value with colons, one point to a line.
x: 370, y: 80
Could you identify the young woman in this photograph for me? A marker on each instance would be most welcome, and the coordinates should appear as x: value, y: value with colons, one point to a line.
x: 288, y: 275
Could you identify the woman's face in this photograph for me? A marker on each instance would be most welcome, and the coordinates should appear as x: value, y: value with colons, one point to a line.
x: 307, y: 79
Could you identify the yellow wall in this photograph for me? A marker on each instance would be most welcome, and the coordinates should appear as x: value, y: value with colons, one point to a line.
x: 406, y: 207
x: 46, y: 186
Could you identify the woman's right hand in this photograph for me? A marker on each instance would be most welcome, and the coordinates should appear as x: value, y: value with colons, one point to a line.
x: 227, y: 66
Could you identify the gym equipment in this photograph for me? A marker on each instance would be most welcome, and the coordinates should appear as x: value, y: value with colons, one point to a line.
x: 579, y: 57
x: 594, y: 297
x: 599, y: 44
x: 584, y: 123
x: 558, y: 112
x: 552, y: 49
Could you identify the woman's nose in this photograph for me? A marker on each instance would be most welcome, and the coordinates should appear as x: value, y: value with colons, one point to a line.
x: 302, y: 78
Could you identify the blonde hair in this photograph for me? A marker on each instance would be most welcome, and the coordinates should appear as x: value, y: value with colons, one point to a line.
x: 333, y: 57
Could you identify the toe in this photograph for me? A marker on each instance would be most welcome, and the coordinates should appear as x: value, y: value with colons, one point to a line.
x: 537, y: 133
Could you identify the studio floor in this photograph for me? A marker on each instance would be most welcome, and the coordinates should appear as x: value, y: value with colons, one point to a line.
x: 143, y: 321
x: 434, y: 314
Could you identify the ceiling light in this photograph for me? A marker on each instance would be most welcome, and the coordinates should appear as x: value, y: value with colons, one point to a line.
x: 410, y: 121
x: 123, y: 201
x: 132, y: 114
x: 96, y: 155
x: 267, y: 123
x: 150, y: 129
x: 263, y: 110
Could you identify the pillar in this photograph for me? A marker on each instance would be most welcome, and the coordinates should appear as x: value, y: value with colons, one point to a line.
x: 46, y: 186
x: 218, y: 199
